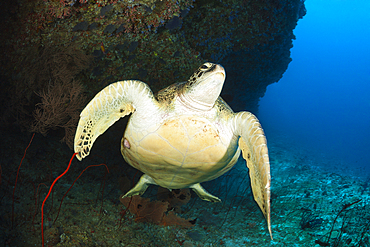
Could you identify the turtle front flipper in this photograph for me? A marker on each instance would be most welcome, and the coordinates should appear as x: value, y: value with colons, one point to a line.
x: 203, y: 194
x: 108, y: 106
x: 253, y: 144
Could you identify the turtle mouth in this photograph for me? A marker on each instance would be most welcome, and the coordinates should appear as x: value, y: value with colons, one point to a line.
x: 214, y: 77
x: 220, y: 74
x: 203, y: 75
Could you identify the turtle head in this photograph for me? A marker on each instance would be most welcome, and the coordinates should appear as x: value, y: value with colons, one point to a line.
x: 204, y: 86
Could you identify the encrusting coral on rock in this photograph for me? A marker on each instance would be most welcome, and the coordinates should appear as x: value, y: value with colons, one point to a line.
x: 157, y: 41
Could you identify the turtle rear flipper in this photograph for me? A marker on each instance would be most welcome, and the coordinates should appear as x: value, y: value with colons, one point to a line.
x: 140, y: 187
x: 203, y: 194
x: 108, y: 106
x: 253, y: 144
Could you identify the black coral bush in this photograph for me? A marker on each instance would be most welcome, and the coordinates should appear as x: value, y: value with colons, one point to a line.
x: 44, y: 93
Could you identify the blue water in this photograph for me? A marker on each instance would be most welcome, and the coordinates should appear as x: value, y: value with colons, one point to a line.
x: 322, y: 103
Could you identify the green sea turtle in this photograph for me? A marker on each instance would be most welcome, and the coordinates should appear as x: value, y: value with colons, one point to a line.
x: 184, y: 135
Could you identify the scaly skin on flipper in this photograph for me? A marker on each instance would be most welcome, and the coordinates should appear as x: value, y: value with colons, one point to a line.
x: 203, y: 194
x: 253, y: 144
x: 108, y: 106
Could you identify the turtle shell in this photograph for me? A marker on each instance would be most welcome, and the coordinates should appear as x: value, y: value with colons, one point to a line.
x: 182, y: 151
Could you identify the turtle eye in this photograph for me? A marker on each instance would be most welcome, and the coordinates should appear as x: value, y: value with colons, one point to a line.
x: 204, y: 66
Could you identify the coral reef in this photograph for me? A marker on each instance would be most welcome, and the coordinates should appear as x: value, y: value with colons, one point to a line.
x: 175, y: 198
x: 89, y: 217
x: 309, y: 220
x: 144, y: 209
x: 171, y: 219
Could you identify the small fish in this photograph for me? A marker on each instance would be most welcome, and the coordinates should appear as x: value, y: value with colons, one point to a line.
x: 102, y: 48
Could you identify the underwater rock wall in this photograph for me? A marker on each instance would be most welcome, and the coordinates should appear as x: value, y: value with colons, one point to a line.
x: 251, y: 39
x: 157, y: 41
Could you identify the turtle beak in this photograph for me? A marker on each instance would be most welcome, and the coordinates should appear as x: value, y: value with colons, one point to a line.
x: 217, y: 68
x: 214, y: 79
